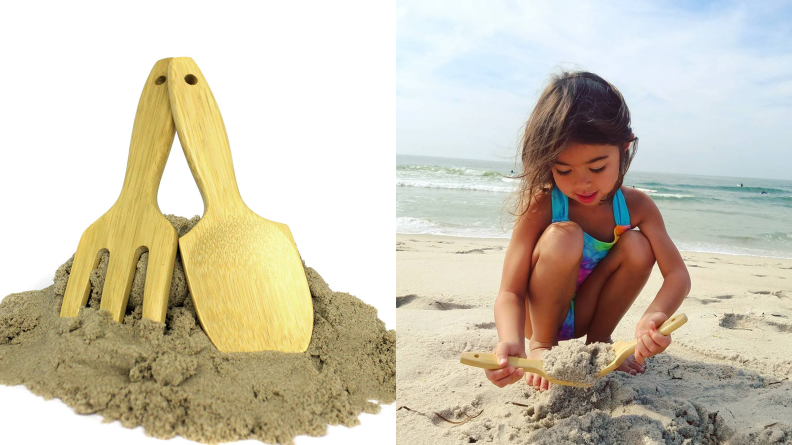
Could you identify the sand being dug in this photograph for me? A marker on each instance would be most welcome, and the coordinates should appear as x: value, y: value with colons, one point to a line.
x: 616, y: 411
x: 171, y: 380
x: 575, y: 361
x: 568, y: 415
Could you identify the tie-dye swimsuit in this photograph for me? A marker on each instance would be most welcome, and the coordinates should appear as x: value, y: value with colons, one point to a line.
x: 594, y: 250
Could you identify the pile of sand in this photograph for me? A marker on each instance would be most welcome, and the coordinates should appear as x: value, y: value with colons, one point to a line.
x: 618, y: 410
x: 170, y: 379
x: 568, y: 415
x: 622, y: 410
x: 575, y: 361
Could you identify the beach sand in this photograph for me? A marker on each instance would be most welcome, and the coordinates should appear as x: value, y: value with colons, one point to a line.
x: 724, y: 379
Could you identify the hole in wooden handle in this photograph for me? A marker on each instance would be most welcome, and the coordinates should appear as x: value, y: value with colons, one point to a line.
x: 192, y: 80
x: 476, y: 355
x: 160, y: 80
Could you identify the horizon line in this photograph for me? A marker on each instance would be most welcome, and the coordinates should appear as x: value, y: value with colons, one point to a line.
x: 636, y: 170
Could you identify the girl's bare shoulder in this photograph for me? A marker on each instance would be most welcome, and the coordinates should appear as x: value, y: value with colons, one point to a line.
x: 542, y: 204
x: 539, y: 213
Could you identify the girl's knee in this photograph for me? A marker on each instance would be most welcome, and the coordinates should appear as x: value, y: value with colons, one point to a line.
x: 637, y: 249
x: 562, y: 242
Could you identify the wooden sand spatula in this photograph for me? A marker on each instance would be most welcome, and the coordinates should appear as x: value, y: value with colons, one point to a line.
x: 134, y: 224
x: 244, y: 272
x: 488, y: 360
x: 622, y: 350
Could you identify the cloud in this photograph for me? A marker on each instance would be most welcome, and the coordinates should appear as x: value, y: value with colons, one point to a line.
x: 709, y: 85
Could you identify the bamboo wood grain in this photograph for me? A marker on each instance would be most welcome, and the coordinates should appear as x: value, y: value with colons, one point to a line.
x: 244, y: 272
x: 624, y: 349
x: 134, y: 224
x: 488, y: 360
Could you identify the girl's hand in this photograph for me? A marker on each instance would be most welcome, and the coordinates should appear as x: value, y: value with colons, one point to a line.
x: 649, y: 340
x: 506, y: 375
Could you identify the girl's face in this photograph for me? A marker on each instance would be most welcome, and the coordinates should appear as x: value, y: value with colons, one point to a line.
x: 586, y: 173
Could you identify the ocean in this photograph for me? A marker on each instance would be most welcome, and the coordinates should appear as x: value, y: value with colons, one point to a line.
x: 465, y: 197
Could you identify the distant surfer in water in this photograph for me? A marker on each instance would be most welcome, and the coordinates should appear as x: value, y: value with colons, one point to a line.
x: 741, y: 184
x: 763, y: 192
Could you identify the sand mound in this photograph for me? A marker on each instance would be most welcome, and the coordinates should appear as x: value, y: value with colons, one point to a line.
x: 170, y: 379
x: 575, y: 361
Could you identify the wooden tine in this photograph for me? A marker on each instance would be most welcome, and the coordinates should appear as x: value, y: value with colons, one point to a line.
x: 134, y: 224
x: 78, y: 288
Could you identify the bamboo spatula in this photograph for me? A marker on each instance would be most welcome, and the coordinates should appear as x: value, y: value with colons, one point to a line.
x: 244, y: 272
x: 488, y: 360
x: 622, y: 350
x: 134, y: 224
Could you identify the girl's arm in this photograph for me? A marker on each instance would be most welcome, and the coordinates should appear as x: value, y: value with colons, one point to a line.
x: 676, y: 280
x: 510, y: 303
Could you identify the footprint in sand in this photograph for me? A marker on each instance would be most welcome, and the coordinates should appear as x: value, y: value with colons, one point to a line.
x: 405, y: 300
x: 479, y: 250
x: 490, y: 325
x: 751, y: 322
x: 429, y: 241
x: 465, y: 252
x: 707, y: 300
x: 776, y: 293
x: 416, y: 302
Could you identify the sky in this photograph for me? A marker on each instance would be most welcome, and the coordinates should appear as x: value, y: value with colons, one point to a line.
x: 708, y: 84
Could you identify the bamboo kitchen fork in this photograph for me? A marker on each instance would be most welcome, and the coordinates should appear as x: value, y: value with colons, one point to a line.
x: 134, y: 224
x: 245, y: 275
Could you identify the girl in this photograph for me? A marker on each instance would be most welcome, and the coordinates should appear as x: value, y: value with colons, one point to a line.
x: 574, y: 214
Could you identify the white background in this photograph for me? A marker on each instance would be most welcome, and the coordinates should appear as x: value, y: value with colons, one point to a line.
x: 307, y: 93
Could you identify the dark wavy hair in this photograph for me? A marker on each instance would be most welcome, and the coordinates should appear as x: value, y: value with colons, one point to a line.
x: 579, y: 107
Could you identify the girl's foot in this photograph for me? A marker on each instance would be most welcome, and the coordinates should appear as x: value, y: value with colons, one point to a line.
x: 632, y: 367
x: 538, y: 382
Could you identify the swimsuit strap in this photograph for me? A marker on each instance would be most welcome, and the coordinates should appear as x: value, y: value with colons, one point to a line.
x: 620, y: 213
x: 560, y: 205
